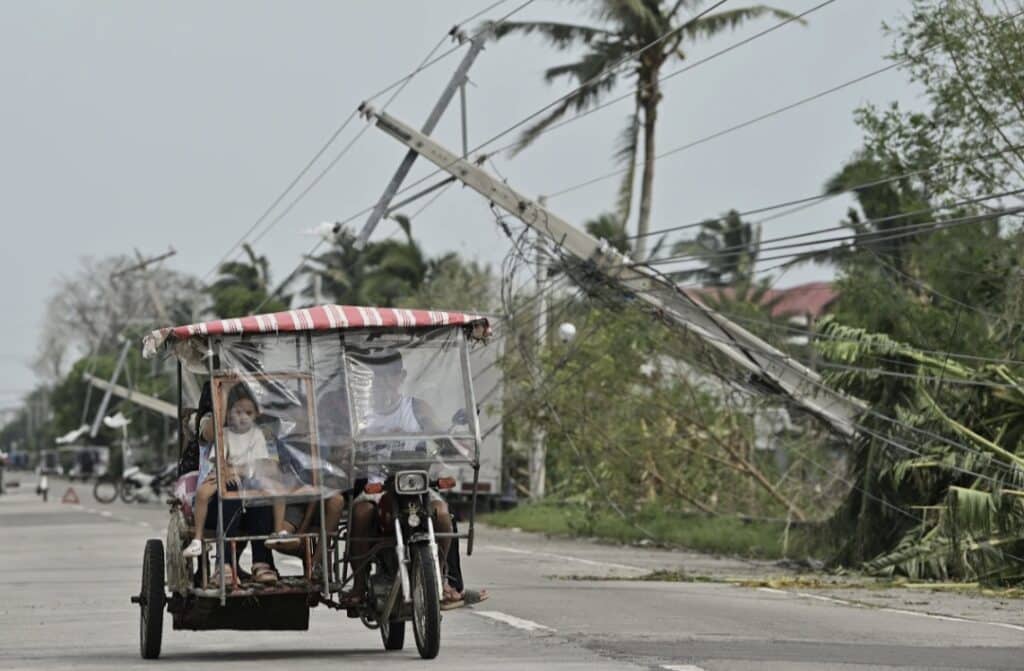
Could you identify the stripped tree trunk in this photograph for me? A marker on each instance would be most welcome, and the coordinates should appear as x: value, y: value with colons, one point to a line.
x: 650, y: 96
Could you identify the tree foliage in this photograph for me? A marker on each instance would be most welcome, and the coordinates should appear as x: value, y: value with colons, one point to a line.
x: 940, y: 488
x: 89, y: 310
x: 966, y: 56
x: 928, y: 326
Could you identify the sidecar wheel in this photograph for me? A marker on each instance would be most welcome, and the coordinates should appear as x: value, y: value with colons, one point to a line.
x: 152, y: 600
x: 392, y: 634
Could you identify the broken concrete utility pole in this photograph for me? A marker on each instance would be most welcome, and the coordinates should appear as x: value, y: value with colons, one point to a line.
x: 765, y: 364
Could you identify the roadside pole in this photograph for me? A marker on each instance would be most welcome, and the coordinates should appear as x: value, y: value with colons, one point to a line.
x: 538, y: 451
x: 142, y: 266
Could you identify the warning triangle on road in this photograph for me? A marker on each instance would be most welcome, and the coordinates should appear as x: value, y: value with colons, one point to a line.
x: 70, y: 496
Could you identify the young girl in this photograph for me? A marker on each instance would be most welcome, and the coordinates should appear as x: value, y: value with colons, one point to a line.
x: 246, y: 456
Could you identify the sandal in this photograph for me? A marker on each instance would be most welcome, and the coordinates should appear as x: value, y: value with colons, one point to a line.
x: 451, y: 604
x: 264, y: 574
x: 229, y: 578
x: 472, y: 596
x: 451, y: 598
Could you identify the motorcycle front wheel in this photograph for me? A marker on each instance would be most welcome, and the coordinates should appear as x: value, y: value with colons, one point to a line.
x: 426, y: 603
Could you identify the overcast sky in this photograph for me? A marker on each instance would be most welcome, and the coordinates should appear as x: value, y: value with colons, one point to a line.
x: 135, y: 124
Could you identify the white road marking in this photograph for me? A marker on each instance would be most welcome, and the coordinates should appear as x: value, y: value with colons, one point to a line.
x: 918, y: 613
x: 513, y: 621
x: 682, y: 667
x: 898, y: 611
x: 106, y: 513
x: 829, y: 599
x: 145, y: 524
x: 551, y: 555
x: 1007, y: 625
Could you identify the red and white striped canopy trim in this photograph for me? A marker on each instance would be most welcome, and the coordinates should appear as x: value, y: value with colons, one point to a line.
x: 321, y: 318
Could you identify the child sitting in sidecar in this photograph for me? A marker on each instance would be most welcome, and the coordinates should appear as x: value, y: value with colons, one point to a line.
x: 248, y: 462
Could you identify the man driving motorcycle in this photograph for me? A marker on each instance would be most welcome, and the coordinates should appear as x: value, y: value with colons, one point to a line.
x: 390, y: 411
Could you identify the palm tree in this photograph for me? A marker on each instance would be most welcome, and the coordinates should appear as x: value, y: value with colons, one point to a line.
x: 608, y: 226
x: 627, y: 27
x: 383, y: 273
x: 727, y: 249
x: 884, y: 207
x: 244, y: 287
x: 339, y: 271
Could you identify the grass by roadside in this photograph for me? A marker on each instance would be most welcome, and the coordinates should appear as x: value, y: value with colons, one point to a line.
x: 719, y: 535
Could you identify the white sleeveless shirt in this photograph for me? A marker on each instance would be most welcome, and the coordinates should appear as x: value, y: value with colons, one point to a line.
x: 400, y: 420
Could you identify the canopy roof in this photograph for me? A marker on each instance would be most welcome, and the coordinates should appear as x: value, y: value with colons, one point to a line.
x: 320, y: 318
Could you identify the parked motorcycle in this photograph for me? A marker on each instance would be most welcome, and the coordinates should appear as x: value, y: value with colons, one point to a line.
x: 136, y: 485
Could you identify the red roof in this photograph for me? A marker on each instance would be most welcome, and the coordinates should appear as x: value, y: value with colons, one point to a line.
x: 320, y: 318
x: 813, y: 298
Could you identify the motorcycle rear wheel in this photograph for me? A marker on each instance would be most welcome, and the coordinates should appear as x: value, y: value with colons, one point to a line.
x: 106, y: 490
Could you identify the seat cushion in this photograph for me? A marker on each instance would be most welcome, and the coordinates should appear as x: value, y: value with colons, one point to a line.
x: 185, y: 491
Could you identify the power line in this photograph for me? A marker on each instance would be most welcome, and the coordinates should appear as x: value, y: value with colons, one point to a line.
x: 266, y: 213
x: 781, y: 356
x: 754, y: 120
x: 674, y: 73
x: 400, y: 84
x: 805, y: 202
x: 903, y: 232
x: 866, y: 238
x: 797, y: 331
x: 334, y: 161
x: 606, y: 72
x: 965, y: 448
x: 430, y: 63
x: 731, y: 129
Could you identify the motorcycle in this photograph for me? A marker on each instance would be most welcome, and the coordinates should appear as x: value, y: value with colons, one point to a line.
x: 138, y: 486
x: 404, y: 573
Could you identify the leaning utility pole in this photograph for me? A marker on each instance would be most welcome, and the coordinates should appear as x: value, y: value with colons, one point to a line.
x: 102, y: 410
x: 766, y: 365
x: 457, y: 83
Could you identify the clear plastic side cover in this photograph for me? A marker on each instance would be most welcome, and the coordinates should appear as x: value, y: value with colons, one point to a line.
x: 265, y: 396
x: 307, y: 415
x: 408, y: 399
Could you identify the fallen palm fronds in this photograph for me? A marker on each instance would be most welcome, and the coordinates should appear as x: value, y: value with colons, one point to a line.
x: 938, y: 472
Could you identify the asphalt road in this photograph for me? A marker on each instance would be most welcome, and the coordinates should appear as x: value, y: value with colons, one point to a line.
x: 67, y: 571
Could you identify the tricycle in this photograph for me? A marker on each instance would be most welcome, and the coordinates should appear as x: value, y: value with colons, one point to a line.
x: 327, y: 434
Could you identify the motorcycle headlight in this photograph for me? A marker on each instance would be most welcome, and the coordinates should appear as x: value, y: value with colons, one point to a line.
x: 411, y: 482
